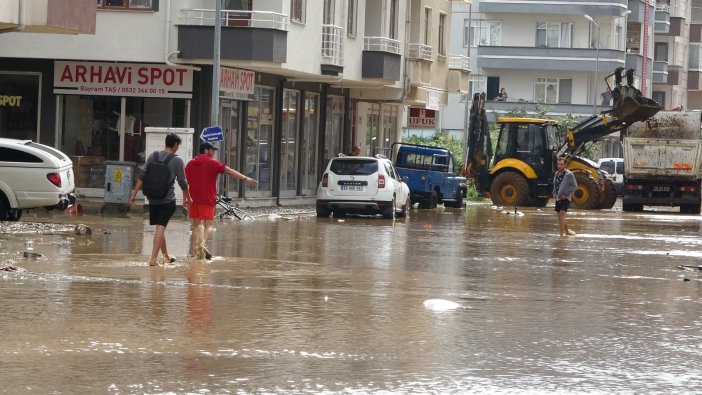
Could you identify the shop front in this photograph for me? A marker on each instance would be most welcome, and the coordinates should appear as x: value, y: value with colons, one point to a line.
x: 103, y: 108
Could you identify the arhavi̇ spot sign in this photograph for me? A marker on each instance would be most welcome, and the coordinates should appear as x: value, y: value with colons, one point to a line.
x: 122, y: 79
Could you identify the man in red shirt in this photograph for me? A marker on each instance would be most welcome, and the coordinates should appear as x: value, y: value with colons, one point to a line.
x: 202, y: 172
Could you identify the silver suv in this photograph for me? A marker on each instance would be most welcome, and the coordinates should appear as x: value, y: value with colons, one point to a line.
x: 362, y: 185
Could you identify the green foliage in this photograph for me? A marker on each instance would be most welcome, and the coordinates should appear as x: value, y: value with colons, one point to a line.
x: 442, y: 140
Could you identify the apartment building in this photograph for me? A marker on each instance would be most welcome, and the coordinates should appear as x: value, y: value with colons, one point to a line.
x: 671, y: 58
x: 299, y: 82
x: 552, y: 56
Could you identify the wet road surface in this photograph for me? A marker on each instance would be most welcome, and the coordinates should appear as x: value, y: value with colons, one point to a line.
x: 467, y: 301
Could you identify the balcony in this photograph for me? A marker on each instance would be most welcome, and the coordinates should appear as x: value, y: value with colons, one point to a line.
x: 576, y: 7
x: 420, y: 52
x: 662, y: 18
x: 332, y: 50
x: 246, y: 35
x: 532, y: 58
x: 382, y: 58
x: 52, y: 17
x: 660, y: 72
x: 459, y: 62
x: 458, y: 73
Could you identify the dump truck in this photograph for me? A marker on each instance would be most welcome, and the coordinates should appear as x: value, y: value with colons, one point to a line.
x: 520, y: 172
x: 663, y: 161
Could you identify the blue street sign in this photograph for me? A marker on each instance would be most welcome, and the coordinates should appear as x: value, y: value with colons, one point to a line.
x: 212, y: 134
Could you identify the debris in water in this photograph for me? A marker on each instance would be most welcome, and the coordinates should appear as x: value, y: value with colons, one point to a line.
x: 83, y: 230
x: 440, y: 305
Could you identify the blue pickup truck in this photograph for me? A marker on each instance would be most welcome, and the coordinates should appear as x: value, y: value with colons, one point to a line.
x: 430, y: 174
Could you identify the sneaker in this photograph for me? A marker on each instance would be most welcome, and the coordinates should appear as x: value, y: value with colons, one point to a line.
x: 167, y: 259
x: 208, y: 256
x: 571, y: 233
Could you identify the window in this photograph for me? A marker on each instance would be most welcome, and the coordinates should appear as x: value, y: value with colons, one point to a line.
x: 297, y: 11
x: 129, y: 4
x: 442, y: 34
x: 477, y: 84
x: 352, y: 17
x: 393, y: 20
x: 13, y: 155
x: 486, y: 33
x: 546, y: 90
x: 554, y: 34
x: 427, y: 26
x: 661, y: 52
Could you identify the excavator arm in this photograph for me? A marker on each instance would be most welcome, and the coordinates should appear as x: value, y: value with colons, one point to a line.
x: 479, y: 153
x: 629, y: 106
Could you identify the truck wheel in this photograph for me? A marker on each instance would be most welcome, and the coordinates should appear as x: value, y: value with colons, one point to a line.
x: 459, y: 199
x: 609, y: 197
x: 632, y: 207
x: 587, y: 195
x: 509, y: 189
x: 429, y: 200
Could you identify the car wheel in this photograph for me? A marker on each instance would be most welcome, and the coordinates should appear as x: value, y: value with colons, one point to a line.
x: 4, y: 209
x: 404, y: 213
x: 14, y: 215
x: 389, y: 212
x: 322, y: 211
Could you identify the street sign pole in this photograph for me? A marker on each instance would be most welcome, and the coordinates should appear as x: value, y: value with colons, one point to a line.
x: 214, y: 111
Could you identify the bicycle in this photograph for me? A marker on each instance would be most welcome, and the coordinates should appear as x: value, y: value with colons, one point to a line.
x: 227, y: 210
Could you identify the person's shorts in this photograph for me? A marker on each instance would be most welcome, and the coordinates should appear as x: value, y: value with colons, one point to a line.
x: 203, y: 212
x: 160, y: 214
x: 562, y: 205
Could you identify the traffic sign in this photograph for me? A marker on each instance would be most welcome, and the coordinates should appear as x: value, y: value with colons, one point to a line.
x: 212, y: 134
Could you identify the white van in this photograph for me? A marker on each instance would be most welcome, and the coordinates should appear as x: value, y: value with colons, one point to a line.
x: 614, y: 167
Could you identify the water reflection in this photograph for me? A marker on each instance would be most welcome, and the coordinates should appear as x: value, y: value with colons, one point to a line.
x: 315, y: 305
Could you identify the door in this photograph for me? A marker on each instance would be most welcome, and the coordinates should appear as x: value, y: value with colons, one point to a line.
x: 493, y: 87
x: 230, y: 122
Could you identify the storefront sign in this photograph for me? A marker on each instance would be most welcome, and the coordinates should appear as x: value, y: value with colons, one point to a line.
x: 122, y: 79
x: 10, y: 101
x: 421, y: 118
x: 236, y: 84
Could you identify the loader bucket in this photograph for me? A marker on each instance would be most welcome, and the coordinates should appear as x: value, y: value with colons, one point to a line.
x: 630, y: 106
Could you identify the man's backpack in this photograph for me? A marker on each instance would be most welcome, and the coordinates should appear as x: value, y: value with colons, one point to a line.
x: 157, y: 180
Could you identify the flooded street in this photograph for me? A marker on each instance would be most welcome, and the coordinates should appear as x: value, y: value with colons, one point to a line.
x: 472, y: 300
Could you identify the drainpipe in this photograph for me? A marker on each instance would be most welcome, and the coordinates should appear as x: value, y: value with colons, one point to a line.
x: 408, y: 25
x: 20, y: 20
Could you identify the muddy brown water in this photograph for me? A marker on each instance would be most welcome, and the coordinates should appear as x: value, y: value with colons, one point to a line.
x: 464, y: 301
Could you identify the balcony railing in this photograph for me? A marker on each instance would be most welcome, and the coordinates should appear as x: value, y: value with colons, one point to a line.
x: 236, y: 18
x: 382, y: 44
x: 459, y: 62
x: 420, y: 52
x: 332, y: 46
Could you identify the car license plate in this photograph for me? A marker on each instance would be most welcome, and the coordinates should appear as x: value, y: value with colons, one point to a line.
x: 351, y: 187
x: 661, y: 189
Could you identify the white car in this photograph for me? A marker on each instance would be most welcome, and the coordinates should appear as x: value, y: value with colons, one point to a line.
x: 33, y: 175
x: 362, y: 185
x: 614, y: 167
